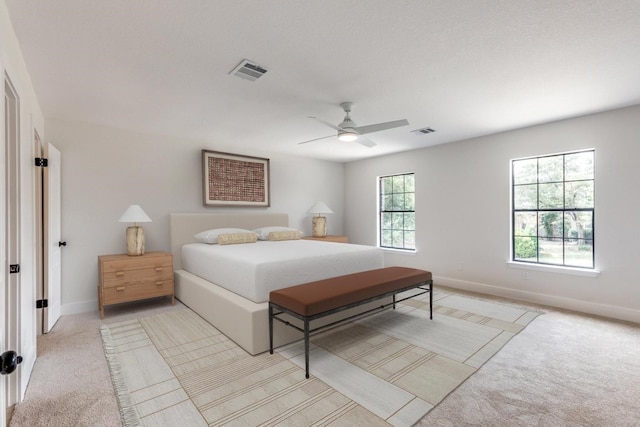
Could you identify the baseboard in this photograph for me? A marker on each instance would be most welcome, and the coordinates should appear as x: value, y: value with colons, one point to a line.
x: 79, y: 307
x: 604, y: 310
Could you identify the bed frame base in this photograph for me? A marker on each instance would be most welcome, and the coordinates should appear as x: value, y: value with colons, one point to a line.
x: 244, y: 322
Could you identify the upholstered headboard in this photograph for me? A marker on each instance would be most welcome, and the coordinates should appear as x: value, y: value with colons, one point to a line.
x: 185, y: 225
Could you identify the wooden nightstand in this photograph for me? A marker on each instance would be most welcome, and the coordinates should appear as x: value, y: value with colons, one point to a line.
x: 337, y: 239
x: 126, y: 278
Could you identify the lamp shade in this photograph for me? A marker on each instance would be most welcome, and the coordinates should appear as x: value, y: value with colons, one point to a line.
x: 319, y: 208
x: 134, y: 213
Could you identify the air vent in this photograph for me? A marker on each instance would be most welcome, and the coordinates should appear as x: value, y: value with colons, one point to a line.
x: 249, y: 70
x: 423, y: 131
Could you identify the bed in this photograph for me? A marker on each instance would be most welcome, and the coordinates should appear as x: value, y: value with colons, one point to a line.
x: 235, y: 300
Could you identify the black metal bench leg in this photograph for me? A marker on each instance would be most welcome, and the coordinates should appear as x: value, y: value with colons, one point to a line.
x: 306, y: 347
x: 270, y: 329
x: 431, y: 299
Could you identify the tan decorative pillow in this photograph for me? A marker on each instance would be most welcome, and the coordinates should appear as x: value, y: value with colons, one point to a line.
x: 211, y: 236
x: 263, y: 233
x: 285, y: 235
x: 236, y: 238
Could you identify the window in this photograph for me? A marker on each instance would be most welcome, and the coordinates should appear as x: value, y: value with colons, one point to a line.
x: 553, y: 209
x: 397, y: 217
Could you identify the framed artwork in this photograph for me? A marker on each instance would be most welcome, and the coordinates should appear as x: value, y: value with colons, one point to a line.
x: 234, y: 180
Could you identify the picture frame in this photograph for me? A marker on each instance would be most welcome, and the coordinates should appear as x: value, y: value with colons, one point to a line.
x: 234, y: 180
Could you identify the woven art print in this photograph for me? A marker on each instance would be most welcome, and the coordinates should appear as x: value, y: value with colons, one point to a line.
x: 235, y: 180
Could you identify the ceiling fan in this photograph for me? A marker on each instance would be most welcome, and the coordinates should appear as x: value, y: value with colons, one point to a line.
x: 348, y: 131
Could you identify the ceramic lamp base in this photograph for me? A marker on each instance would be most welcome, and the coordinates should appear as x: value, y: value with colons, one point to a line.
x: 319, y: 226
x: 135, y: 241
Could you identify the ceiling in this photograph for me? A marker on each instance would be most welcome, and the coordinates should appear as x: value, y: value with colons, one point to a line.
x: 464, y: 68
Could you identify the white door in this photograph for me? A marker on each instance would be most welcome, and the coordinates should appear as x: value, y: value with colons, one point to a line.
x: 3, y: 262
x: 11, y: 233
x: 53, y: 238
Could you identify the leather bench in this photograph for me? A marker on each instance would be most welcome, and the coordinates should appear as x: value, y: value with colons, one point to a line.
x: 313, y: 300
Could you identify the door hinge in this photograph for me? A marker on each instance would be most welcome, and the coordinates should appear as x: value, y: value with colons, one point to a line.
x: 42, y: 303
x: 42, y: 162
x: 14, y: 268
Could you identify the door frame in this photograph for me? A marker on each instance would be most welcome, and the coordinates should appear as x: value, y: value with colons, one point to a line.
x: 40, y: 231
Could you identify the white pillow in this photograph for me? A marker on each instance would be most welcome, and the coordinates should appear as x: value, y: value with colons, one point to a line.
x: 211, y: 236
x: 263, y: 233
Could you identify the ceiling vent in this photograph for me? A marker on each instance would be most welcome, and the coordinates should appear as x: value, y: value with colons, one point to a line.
x: 249, y: 70
x: 423, y: 131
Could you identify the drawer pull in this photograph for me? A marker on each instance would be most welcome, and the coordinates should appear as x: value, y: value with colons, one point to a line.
x: 120, y: 288
x: 119, y: 273
x: 159, y: 283
x: 158, y: 269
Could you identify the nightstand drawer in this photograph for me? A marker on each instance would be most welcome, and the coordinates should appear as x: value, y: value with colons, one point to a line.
x: 131, y: 277
x: 114, y: 295
x: 157, y: 263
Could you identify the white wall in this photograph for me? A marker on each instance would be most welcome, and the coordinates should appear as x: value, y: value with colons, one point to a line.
x: 104, y: 170
x: 463, y: 215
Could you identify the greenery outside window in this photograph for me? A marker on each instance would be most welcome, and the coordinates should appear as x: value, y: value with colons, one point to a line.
x: 553, y: 209
x: 397, y: 216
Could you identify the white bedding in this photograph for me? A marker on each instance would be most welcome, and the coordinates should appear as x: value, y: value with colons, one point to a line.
x: 253, y: 270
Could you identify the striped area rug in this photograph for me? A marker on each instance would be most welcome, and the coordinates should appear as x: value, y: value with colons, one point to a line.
x: 388, y: 369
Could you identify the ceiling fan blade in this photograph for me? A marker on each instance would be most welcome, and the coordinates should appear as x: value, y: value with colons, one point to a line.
x: 380, y: 126
x: 317, y: 139
x: 332, y: 126
x: 365, y: 141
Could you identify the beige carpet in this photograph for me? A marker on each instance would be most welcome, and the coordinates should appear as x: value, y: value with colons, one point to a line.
x: 566, y: 369
x: 390, y: 369
x: 563, y: 369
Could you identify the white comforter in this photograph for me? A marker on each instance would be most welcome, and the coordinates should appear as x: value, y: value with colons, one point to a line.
x: 253, y: 270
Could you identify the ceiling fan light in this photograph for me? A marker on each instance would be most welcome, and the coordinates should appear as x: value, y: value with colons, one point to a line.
x: 347, y: 136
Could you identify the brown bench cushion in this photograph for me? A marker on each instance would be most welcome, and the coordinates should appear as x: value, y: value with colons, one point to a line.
x: 316, y: 297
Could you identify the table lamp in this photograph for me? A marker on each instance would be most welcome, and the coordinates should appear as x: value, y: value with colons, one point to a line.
x: 319, y: 223
x: 135, y: 233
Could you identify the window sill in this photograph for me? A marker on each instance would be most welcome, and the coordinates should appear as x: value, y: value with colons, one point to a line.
x: 399, y: 251
x: 574, y: 271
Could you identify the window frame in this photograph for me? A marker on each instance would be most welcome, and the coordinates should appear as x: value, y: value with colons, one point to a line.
x: 381, y: 211
x: 562, y: 212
